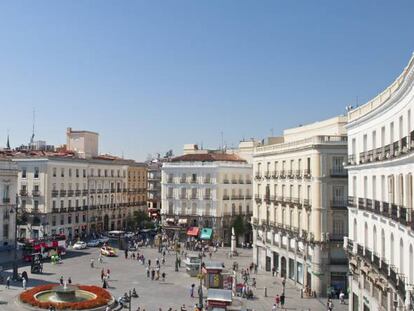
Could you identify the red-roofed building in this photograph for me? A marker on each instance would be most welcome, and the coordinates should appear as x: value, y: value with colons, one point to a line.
x: 205, y: 188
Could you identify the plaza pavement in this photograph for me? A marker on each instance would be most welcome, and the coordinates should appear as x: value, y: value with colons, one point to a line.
x: 174, y: 292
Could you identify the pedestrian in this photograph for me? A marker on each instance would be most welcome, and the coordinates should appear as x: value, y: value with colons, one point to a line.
x: 277, y: 300
x: 148, y: 272
x: 8, y: 282
x: 149, y: 262
x: 273, y: 271
x: 152, y: 274
x: 163, y: 276
x: 69, y: 280
x: 282, y: 299
x: 329, y: 304
x: 24, y: 283
x: 126, y: 253
x: 274, y: 307
x: 192, y: 290
x: 108, y: 273
x: 92, y: 262
x: 61, y: 280
x: 104, y: 283
x: 342, y: 297
x: 102, y: 274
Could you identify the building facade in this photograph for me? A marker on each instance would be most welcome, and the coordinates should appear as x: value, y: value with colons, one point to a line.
x: 299, y: 209
x: 381, y: 224
x: 137, y: 185
x: 206, y: 190
x: 8, y: 191
x: 62, y: 193
x: 154, y: 186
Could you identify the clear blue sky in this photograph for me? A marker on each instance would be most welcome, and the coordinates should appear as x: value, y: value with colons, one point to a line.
x: 153, y: 75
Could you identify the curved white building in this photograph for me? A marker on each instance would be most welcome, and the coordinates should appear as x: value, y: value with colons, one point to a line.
x: 381, y: 227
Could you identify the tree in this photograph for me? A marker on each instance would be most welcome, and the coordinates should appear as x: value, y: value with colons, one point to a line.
x: 239, y: 226
x: 141, y: 219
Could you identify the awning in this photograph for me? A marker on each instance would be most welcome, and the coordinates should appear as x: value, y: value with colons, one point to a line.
x: 182, y: 221
x: 206, y: 233
x: 170, y: 220
x: 193, y: 231
x: 219, y: 295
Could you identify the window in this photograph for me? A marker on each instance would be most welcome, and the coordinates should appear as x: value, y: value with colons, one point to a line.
x: 70, y: 172
x: 62, y: 172
x: 70, y: 203
x: 77, y: 173
x: 338, y: 227
x: 6, y: 192
x: 365, y: 142
x: 112, y: 173
x: 54, y: 204
x: 105, y: 173
x: 36, y: 205
x: 23, y: 204
x: 54, y: 172
x: 194, y: 178
x: 62, y: 219
x: 62, y: 204
x: 69, y: 219
x: 84, y: 218
x: 24, y: 172
x: 374, y: 140
x: 76, y: 218
x: 36, y: 172
x: 84, y: 173
x: 6, y: 231
x: 99, y: 172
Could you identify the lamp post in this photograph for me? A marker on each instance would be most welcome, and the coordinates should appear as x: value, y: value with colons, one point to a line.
x: 15, y: 264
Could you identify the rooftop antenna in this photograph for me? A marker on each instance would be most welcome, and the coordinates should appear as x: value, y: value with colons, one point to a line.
x: 33, y: 128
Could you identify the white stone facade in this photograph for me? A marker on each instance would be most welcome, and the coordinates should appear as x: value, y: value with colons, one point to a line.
x: 381, y: 227
x: 206, y: 193
x: 8, y: 190
x: 299, y: 214
x: 72, y: 195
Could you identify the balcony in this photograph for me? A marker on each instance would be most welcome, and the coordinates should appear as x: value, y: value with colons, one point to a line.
x: 307, y: 174
x: 207, y: 180
x: 241, y: 181
x: 55, y: 193
x: 193, y: 181
x: 248, y: 197
x: 298, y: 174
x: 183, y: 197
x: 207, y: 197
x: 226, y: 197
x: 182, y: 180
x: 351, y: 159
x: 170, y: 180
x: 194, y: 197
x: 36, y: 193
x: 99, y: 191
x: 267, y: 175
x: 78, y: 193
x: 282, y: 174
x: 170, y: 196
x: 274, y: 174
x: 226, y: 181
x: 338, y: 173
x: 258, y: 199
x: 339, y: 204
x: 248, y: 181
x: 70, y: 193
x: 6, y: 200
x: 258, y: 175
x: 234, y: 181
x: 290, y: 174
x: 307, y: 203
x: 23, y: 192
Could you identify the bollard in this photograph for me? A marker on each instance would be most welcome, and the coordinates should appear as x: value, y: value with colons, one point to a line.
x: 265, y: 291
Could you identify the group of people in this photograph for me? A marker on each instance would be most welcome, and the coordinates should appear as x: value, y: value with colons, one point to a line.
x: 155, y: 272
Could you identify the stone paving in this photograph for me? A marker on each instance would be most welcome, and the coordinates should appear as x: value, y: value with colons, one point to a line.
x: 174, y: 292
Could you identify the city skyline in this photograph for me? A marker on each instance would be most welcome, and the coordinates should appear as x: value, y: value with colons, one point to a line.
x: 149, y: 77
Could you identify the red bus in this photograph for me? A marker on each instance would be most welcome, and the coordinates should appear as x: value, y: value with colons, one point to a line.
x: 46, y: 246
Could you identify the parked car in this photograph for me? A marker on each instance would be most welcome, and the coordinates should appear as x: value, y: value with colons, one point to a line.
x: 108, y: 251
x: 79, y: 245
x: 93, y: 243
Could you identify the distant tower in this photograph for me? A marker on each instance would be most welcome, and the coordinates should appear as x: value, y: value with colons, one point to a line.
x: 33, y: 130
x: 8, y: 142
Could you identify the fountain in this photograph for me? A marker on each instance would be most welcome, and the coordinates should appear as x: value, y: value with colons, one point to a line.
x: 67, y: 297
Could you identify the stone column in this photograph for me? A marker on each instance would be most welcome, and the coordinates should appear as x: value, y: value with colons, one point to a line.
x: 318, y: 273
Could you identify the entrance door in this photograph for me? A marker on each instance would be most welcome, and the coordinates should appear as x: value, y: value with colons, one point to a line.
x: 276, y: 261
x: 309, y: 280
x: 283, y: 267
x: 268, y: 263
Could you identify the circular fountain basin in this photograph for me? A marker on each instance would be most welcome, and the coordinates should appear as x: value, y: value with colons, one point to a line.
x: 67, y: 293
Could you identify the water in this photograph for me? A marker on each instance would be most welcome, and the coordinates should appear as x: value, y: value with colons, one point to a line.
x: 51, y: 296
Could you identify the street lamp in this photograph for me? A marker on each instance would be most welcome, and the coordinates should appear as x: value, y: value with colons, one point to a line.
x: 15, y: 264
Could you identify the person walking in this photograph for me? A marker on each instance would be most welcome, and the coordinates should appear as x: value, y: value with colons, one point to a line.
x: 273, y: 271
x: 24, y: 283
x: 282, y: 300
x: 329, y: 304
x: 342, y: 297
x: 152, y: 274
x: 8, y: 282
x: 148, y: 271
x: 277, y: 300
x: 102, y: 274
x: 69, y: 280
x: 61, y: 280
x: 108, y: 273
x: 192, y: 291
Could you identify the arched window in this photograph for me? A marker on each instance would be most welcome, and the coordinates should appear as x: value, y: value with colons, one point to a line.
x: 355, y: 234
x: 366, y: 235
